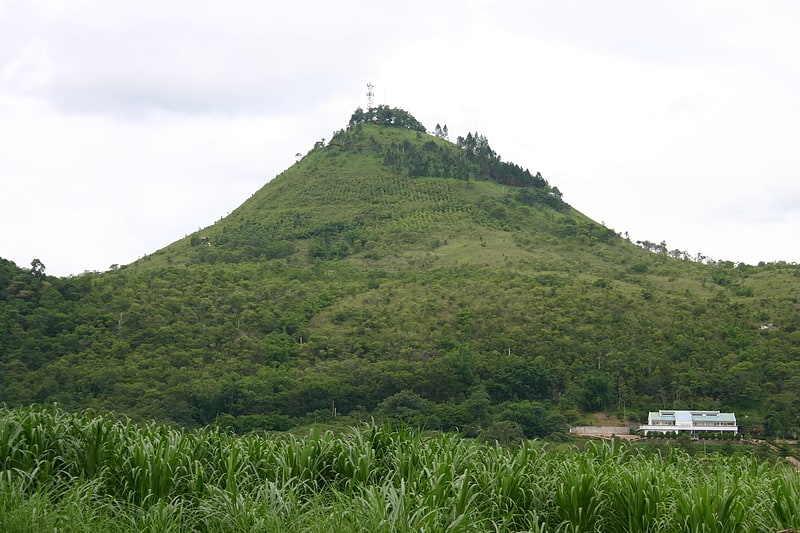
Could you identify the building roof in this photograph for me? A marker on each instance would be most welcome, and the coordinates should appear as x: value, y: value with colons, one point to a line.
x: 684, y: 420
x: 686, y: 417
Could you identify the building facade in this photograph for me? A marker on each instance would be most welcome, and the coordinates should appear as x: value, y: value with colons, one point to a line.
x: 693, y: 421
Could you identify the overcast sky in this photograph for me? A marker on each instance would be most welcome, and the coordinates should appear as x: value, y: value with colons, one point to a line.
x: 125, y: 125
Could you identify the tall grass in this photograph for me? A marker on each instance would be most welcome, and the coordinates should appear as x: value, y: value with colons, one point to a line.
x: 66, y: 472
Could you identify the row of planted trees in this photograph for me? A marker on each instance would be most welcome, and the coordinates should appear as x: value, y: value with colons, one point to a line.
x: 92, y: 473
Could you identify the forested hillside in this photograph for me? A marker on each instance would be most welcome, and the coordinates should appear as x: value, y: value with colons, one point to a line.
x: 396, y: 274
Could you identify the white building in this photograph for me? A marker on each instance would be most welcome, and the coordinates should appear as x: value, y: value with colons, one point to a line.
x: 693, y: 421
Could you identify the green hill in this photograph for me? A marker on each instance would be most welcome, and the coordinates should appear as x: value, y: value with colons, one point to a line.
x: 395, y: 274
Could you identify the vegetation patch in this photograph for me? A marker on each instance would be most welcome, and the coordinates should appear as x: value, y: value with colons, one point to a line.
x: 97, y: 473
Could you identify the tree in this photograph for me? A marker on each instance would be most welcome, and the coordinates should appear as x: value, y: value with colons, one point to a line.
x: 358, y: 117
x: 387, y: 116
x: 535, y: 418
x: 37, y: 268
x: 406, y: 406
x: 597, y: 392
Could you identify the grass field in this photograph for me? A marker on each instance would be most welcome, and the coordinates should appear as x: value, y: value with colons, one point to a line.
x: 65, y: 472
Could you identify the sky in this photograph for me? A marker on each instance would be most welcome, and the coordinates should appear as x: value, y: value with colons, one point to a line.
x: 125, y: 126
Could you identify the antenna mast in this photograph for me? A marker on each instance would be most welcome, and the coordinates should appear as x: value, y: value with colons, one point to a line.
x: 370, y: 96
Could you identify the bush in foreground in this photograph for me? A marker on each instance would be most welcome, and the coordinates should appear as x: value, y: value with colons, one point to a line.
x: 81, y: 472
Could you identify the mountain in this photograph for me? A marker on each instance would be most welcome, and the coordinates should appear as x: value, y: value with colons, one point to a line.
x: 396, y: 274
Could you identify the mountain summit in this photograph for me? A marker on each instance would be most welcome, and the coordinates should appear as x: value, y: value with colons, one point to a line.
x: 396, y: 274
x: 379, y: 187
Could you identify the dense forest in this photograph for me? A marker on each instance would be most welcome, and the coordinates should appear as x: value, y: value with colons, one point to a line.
x: 395, y: 275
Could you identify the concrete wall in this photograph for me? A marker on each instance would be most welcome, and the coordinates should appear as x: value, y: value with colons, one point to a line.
x: 599, y: 430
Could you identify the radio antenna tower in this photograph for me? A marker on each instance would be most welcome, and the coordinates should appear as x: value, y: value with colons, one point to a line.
x: 370, y: 96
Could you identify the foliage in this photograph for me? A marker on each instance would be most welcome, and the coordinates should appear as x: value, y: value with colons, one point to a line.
x: 386, y: 116
x: 386, y: 266
x: 476, y: 148
x: 95, y: 473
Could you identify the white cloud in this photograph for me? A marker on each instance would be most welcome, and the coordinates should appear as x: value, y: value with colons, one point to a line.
x: 125, y: 125
x: 243, y: 57
x: 663, y: 145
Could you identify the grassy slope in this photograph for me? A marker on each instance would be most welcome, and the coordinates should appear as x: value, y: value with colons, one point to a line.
x: 468, y: 235
x: 343, y: 190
